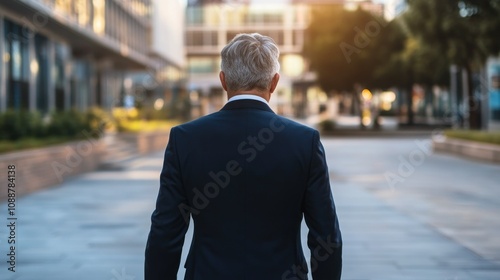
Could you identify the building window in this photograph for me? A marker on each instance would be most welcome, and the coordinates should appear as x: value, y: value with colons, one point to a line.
x: 18, y: 66
x: 110, y: 17
x: 82, y: 11
x: 201, y: 38
x: 211, y: 38
x: 194, y: 15
x: 99, y: 22
x: 42, y: 75
x: 203, y: 65
x: 63, y: 6
x: 277, y: 36
x: 264, y: 18
x: 230, y: 35
x: 79, y: 85
x: 298, y: 38
x: 139, y: 8
x: 61, y: 55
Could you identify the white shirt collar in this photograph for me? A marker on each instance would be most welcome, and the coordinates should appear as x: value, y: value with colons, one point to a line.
x: 247, y: 96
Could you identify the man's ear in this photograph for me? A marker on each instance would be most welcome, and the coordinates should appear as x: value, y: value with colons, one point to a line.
x: 222, y: 78
x: 274, y: 82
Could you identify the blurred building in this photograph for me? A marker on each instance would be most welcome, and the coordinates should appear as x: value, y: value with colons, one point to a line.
x: 493, y: 93
x: 394, y: 8
x: 377, y: 9
x: 210, y: 25
x: 62, y: 54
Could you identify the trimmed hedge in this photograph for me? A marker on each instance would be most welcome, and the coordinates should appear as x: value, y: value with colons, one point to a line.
x: 326, y: 125
x: 24, y: 129
x: 16, y: 125
x: 478, y: 136
x: 30, y: 143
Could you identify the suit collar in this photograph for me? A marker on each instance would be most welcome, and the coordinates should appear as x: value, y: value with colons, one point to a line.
x: 247, y: 104
x: 247, y: 96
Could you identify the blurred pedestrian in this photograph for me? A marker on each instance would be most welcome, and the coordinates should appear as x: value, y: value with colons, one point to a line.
x: 246, y: 177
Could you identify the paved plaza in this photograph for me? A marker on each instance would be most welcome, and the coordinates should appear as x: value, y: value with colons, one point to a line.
x: 405, y: 214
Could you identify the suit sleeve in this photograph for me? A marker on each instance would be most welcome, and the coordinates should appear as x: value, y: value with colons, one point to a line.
x: 168, y: 223
x: 324, y: 238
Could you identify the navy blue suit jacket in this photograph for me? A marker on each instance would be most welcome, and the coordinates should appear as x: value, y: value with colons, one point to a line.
x: 246, y: 177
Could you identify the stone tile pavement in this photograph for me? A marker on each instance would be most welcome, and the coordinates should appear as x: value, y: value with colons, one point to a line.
x: 95, y: 227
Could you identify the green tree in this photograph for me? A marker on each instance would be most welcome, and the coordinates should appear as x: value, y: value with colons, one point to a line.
x: 463, y: 32
x: 339, y: 48
x: 336, y: 47
x: 387, y: 52
x: 394, y: 65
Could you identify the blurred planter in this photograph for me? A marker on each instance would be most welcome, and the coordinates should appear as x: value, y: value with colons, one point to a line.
x: 146, y: 142
x: 41, y: 168
x: 326, y: 127
x: 465, y: 148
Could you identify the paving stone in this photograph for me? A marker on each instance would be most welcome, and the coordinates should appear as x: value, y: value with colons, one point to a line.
x: 439, y: 224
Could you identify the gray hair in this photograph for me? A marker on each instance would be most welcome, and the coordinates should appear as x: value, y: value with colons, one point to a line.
x: 250, y: 61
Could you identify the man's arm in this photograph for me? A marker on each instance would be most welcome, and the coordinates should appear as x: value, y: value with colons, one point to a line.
x: 168, y: 226
x: 324, y: 238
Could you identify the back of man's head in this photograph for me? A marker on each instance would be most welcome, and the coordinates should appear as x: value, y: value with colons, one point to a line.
x: 249, y: 62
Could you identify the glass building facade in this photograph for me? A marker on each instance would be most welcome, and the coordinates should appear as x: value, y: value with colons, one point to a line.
x: 63, y: 54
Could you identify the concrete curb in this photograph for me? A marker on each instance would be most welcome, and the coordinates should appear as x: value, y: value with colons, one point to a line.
x: 376, y: 133
x: 123, y: 147
x: 470, y: 149
x: 41, y: 168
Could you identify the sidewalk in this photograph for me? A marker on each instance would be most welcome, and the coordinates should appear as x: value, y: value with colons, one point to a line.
x: 95, y: 227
